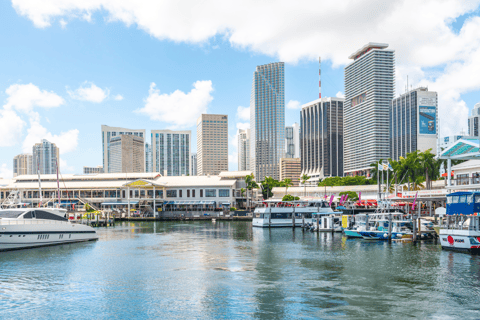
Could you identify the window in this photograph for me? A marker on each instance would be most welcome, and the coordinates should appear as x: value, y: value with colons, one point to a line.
x: 470, y: 198
x: 193, y: 193
x: 171, y: 193
x: 210, y: 193
x: 188, y: 193
x: 224, y: 192
x: 477, y: 198
x: 201, y: 193
x: 462, y: 199
x: 180, y: 193
x: 455, y: 199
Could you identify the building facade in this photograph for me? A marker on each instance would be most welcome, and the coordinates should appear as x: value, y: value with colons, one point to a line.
x: 291, y: 168
x: 413, y: 123
x: 22, y: 164
x: 171, y: 152
x: 212, y: 144
x: 193, y: 165
x: 321, y: 138
x: 127, y: 154
x: 243, y: 149
x: 267, y: 120
x: 473, y: 121
x: 148, y: 158
x: 92, y: 170
x: 369, y: 91
x: 292, y: 141
x: 45, y: 158
x: 110, y: 132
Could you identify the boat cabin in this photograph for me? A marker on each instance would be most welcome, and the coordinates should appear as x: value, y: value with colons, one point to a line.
x: 465, y: 203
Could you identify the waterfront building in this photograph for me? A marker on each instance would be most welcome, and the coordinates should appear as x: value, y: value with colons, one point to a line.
x: 413, y: 123
x: 110, y: 132
x: 292, y: 141
x: 291, y: 168
x: 267, y: 120
x: 127, y: 154
x: 45, y: 157
x: 473, y: 121
x: 171, y: 152
x: 193, y: 164
x: 243, y: 149
x: 93, y: 170
x: 369, y: 91
x: 446, y: 142
x: 22, y: 164
x: 212, y: 144
x: 321, y: 138
x: 148, y: 158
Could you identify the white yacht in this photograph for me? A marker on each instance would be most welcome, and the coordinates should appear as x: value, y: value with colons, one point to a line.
x: 22, y: 228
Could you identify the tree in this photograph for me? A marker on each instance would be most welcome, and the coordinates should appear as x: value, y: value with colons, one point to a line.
x: 304, y: 178
x: 428, y: 165
x: 352, y: 195
x: 287, y: 183
x: 288, y: 197
x: 250, y: 184
x: 267, y: 185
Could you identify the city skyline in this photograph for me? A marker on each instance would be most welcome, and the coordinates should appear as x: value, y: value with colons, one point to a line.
x: 72, y: 83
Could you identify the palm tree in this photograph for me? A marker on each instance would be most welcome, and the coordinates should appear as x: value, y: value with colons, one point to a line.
x: 375, y: 173
x: 304, y: 178
x: 242, y: 192
x: 287, y: 183
x: 267, y: 185
x: 250, y: 184
x: 428, y: 165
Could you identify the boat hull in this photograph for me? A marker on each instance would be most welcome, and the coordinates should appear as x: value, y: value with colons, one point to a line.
x: 278, y: 223
x: 352, y: 234
x: 460, y: 240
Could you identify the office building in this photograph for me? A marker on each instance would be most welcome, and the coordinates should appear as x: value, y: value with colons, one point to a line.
x: 93, y: 170
x: 212, y: 144
x: 292, y: 141
x: 127, y: 154
x: 148, y: 158
x: 369, y: 91
x: 193, y: 165
x: 243, y: 149
x: 45, y: 158
x: 413, y: 123
x: 110, y: 132
x: 321, y: 138
x: 22, y: 164
x: 267, y: 120
x: 473, y: 121
x: 171, y: 152
x: 291, y: 168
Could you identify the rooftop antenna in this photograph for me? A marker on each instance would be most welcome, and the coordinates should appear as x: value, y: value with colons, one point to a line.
x: 319, y: 77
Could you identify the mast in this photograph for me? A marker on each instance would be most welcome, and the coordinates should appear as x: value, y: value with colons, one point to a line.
x: 319, y: 77
x: 58, y: 185
x: 39, y: 180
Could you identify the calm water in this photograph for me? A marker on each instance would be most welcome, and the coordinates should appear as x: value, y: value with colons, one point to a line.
x: 227, y: 270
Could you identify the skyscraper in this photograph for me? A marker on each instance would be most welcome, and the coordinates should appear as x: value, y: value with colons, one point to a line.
x: 93, y: 170
x: 22, y: 164
x: 267, y: 120
x: 292, y: 141
x: 413, y: 123
x: 171, y: 152
x: 127, y: 154
x: 193, y: 165
x: 45, y: 158
x: 108, y: 133
x: 243, y: 149
x: 212, y: 144
x: 473, y: 121
x: 321, y: 138
x: 148, y: 158
x: 369, y: 90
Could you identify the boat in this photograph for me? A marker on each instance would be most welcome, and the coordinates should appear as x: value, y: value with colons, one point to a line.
x: 353, y: 224
x: 274, y: 213
x: 461, y: 228
x: 327, y: 222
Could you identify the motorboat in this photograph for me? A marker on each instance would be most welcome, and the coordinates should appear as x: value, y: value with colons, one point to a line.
x: 327, y: 222
x: 354, y: 224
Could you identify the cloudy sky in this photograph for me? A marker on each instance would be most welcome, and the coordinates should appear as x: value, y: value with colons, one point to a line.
x: 69, y: 66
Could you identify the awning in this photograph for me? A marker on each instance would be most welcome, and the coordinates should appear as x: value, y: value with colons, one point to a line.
x: 226, y: 204
x: 191, y: 202
x: 118, y: 203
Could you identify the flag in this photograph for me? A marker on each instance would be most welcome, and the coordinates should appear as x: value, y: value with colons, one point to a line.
x: 380, y: 167
x: 413, y: 206
x: 360, y: 196
x: 385, y: 166
x: 390, y: 167
x: 331, y: 199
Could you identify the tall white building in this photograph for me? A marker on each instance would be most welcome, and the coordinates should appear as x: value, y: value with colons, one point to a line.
x: 148, y: 158
x: 413, y: 123
x: 171, y: 152
x: 369, y: 90
x: 22, y: 164
x: 212, y: 144
x: 93, y: 170
x: 292, y: 141
x: 243, y: 149
x: 110, y: 132
x: 127, y: 154
x: 473, y: 121
x: 193, y: 165
x: 267, y: 120
x: 45, y: 157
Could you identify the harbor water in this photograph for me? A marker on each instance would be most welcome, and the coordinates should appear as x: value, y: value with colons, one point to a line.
x: 229, y: 270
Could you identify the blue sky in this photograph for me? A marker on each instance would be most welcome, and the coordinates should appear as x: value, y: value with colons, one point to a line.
x: 117, y: 53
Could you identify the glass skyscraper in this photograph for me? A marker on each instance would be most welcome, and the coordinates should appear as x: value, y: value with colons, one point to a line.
x: 45, y: 158
x: 171, y: 152
x: 267, y: 120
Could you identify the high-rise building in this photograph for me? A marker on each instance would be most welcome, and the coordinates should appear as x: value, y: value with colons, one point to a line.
x: 45, y: 157
x: 243, y: 149
x: 413, y: 123
x: 321, y: 138
x: 212, y: 144
x: 92, y: 170
x: 267, y: 120
x: 193, y: 165
x: 22, y: 164
x: 291, y: 168
x: 473, y: 121
x: 292, y: 141
x: 127, y: 154
x: 148, y: 158
x: 171, y: 152
x: 369, y: 90
x: 110, y: 132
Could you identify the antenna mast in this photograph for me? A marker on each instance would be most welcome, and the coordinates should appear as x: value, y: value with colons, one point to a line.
x: 319, y: 77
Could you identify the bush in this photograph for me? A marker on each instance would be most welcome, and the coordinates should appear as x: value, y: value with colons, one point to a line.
x: 233, y: 209
x: 288, y: 197
x: 352, y: 195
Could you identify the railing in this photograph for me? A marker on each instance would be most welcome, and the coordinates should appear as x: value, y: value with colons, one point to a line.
x: 28, y: 221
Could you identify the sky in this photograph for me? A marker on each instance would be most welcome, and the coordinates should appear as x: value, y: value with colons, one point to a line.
x: 67, y: 67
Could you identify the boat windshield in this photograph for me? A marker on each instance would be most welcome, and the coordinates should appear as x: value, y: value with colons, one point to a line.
x: 12, y: 214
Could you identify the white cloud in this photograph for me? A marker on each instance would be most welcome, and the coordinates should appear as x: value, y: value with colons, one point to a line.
x: 178, y: 108
x: 5, y: 172
x: 66, y: 141
x: 340, y: 94
x: 65, y: 168
x: 11, y: 127
x: 89, y: 92
x: 293, y: 104
x: 233, y: 152
x: 24, y: 97
x: 243, y: 125
x: 63, y: 23
x: 118, y: 97
x: 243, y: 113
